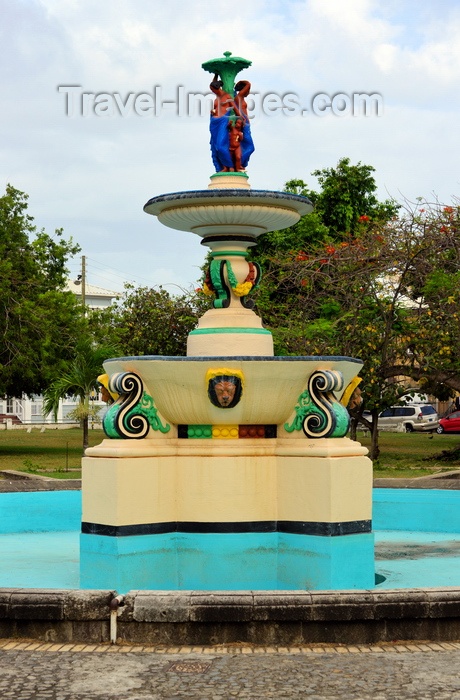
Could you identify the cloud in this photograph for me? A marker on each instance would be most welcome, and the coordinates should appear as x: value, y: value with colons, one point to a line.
x: 92, y: 175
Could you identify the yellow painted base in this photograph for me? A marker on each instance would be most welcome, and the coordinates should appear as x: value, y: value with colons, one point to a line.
x: 226, y: 481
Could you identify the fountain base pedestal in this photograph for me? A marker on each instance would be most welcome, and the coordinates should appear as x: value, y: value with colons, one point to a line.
x: 235, y: 514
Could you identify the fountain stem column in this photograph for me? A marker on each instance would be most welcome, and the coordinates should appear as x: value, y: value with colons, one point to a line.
x: 231, y: 327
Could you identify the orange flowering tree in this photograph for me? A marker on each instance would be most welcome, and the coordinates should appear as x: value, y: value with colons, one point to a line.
x: 388, y: 293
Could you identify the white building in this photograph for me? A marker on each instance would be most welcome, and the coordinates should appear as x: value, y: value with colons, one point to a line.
x: 95, y: 297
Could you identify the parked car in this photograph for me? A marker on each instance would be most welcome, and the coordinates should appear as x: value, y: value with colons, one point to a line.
x: 450, y: 424
x: 409, y: 418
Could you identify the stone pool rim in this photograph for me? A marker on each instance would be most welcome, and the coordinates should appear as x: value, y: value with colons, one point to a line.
x: 283, y: 618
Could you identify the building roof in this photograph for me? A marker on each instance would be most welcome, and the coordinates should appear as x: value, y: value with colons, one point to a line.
x: 90, y: 290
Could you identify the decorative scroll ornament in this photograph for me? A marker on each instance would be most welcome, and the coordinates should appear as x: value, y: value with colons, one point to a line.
x: 215, y: 283
x: 318, y: 413
x: 134, y: 412
x: 242, y: 289
x: 351, y: 397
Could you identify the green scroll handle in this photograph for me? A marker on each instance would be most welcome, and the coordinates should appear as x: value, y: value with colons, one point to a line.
x: 216, y: 271
x: 121, y: 421
x: 330, y: 419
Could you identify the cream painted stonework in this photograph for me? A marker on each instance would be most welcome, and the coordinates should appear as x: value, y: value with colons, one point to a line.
x: 228, y: 481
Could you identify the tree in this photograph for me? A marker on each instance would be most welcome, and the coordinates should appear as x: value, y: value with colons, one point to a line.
x: 347, y: 194
x: 149, y: 322
x: 347, y: 198
x: 78, y: 380
x: 38, y: 320
x: 389, y: 294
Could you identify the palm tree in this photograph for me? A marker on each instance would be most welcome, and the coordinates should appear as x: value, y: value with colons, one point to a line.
x: 78, y: 380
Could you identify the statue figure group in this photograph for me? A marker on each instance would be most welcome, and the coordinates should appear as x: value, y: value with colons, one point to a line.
x: 231, y: 140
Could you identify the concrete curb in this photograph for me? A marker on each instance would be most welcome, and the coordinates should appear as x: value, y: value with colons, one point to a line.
x: 18, y: 475
x: 16, y: 482
x: 21, y: 481
x: 223, y: 617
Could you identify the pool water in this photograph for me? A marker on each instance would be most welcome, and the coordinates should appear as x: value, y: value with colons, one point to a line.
x: 40, y: 560
x: 405, y: 560
x: 40, y: 540
x: 417, y: 559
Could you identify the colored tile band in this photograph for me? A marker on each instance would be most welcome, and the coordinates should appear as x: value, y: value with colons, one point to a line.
x: 207, y: 432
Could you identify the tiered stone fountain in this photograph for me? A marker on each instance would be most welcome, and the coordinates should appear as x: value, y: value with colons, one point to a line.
x: 228, y: 468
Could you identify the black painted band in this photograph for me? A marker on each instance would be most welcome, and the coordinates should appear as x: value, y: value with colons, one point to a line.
x: 215, y: 238
x: 353, y: 527
x: 287, y: 526
x: 127, y: 530
x: 239, y: 358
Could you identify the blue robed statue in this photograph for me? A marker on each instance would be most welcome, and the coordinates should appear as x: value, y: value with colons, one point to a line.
x: 231, y: 140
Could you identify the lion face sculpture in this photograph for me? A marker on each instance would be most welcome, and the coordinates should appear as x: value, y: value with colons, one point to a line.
x: 225, y: 390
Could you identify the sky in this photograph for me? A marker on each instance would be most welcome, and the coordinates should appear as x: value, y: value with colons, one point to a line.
x: 89, y: 164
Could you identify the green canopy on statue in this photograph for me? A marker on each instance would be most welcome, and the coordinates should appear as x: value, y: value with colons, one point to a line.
x: 228, y: 68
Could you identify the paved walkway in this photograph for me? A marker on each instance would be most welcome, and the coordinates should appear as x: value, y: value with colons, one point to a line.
x: 39, y: 671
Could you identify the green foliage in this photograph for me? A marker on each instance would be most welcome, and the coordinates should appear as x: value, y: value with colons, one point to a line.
x: 330, y: 309
x: 301, y: 188
x: 149, y: 322
x: 320, y: 328
x: 31, y: 467
x: 80, y: 376
x: 310, y: 229
x: 379, y: 287
x: 78, y: 380
x: 39, y: 322
x: 343, y: 209
x: 440, y: 283
x: 347, y: 195
x: 358, y: 299
x: 83, y: 411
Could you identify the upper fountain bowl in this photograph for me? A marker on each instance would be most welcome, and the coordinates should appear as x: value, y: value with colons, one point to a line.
x: 228, y: 211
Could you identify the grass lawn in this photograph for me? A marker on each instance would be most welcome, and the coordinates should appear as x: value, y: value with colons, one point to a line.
x: 54, y: 453
x: 407, y: 455
x: 58, y: 453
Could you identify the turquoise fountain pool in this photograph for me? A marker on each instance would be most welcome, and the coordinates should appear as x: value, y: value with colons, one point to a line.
x: 417, y: 538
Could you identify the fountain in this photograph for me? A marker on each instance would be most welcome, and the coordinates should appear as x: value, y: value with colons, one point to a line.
x: 228, y: 468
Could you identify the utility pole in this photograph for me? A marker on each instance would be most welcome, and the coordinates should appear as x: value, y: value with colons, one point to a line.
x: 83, y: 280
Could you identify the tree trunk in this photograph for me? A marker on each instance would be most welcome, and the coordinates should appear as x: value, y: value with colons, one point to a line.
x: 353, y: 428
x: 375, y: 449
x: 85, y: 423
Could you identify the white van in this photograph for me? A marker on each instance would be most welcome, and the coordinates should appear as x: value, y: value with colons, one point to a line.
x: 409, y: 418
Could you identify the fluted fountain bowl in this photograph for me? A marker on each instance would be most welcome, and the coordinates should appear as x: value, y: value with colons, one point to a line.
x: 228, y: 211
x: 271, y: 386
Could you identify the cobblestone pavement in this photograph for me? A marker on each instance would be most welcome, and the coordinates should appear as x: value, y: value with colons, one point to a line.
x: 39, y: 671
